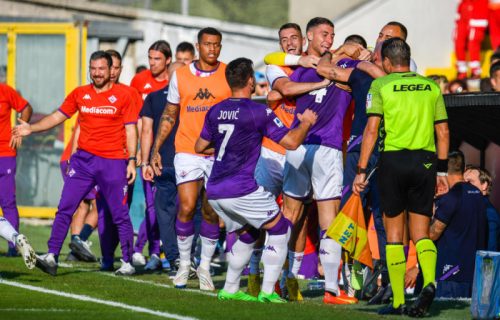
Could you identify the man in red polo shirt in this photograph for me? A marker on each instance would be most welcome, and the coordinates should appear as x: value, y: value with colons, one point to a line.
x: 108, y: 134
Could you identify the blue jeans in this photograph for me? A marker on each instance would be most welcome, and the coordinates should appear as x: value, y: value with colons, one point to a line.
x: 166, y: 213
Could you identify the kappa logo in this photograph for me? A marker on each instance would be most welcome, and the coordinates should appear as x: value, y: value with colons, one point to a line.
x: 427, y: 165
x: 204, y: 94
x: 87, y: 97
x: 270, y: 248
x: 147, y: 86
x: 323, y: 252
x: 269, y: 111
x: 112, y: 99
x: 71, y: 172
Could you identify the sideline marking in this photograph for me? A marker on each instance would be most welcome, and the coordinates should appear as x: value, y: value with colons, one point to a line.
x: 95, y: 300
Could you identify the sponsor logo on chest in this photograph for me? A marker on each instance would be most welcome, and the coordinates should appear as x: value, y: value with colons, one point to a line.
x: 99, y: 110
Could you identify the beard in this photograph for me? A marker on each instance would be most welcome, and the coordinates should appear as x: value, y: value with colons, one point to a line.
x: 100, y: 82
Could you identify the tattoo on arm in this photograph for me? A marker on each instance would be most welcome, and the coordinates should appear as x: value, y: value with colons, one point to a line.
x: 167, y: 122
x: 436, y: 229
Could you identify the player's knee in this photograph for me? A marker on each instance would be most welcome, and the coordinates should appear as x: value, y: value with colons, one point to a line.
x: 186, y: 209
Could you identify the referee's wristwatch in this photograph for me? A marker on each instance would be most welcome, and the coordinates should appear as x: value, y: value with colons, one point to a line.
x: 360, y: 170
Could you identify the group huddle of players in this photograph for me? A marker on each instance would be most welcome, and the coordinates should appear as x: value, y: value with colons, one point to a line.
x: 239, y: 156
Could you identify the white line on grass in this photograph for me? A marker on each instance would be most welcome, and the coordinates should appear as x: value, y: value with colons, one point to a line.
x: 211, y: 294
x: 99, y: 301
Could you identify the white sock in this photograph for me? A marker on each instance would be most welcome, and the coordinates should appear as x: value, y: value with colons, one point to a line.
x: 294, y: 263
x: 207, y: 252
x: 330, y: 253
x: 255, y: 261
x: 7, y: 231
x: 184, y: 244
x: 273, y: 258
x: 238, y: 258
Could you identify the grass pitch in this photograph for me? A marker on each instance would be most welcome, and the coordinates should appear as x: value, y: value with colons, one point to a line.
x: 149, y: 295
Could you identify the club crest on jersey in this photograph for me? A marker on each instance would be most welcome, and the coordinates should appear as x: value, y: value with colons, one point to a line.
x: 204, y: 94
x: 368, y: 101
x: 71, y: 172
x: 87, y: 97
x: 112, y: 99
x: 278, y: 122
x: 9, y: 171
x: 125, y: 190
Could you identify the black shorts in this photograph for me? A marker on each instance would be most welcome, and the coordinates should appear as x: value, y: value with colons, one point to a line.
x: 407, y: 181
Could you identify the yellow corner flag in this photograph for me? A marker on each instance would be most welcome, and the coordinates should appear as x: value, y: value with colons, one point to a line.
x: 349, y: 229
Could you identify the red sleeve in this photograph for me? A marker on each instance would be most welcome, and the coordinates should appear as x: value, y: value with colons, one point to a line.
x: 17, y: 102
x: 135, y: 82
x: 130, y: 114
x: 70, y: 106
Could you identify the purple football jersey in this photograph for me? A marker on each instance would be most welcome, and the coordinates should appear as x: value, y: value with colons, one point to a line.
x: 236, y: 128
x: 329, y: 103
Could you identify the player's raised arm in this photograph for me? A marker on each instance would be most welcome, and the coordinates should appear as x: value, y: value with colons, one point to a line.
x: 294, y: 138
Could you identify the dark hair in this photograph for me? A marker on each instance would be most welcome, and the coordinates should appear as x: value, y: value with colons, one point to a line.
x: 456, y: 162
x: 140, y: 68
x: 314, y: 22
x: 162, y: 46
x: 238, y: 72
x: 101, y: 55
x: 210, y: 31
x: 185, y: 46
x: 290, y: 25
x: 494, y: 68
x: 397, y: 51
x: 401, y: 26
x: 495, y: 56
x: 485, y: 85
x: 356, y: 39
x: 114, y: 53
x: 461, y: 83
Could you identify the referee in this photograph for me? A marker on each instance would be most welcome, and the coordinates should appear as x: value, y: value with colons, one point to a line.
x: 408, y: 108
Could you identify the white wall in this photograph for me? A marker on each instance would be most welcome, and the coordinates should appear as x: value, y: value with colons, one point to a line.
x: 430, y: 26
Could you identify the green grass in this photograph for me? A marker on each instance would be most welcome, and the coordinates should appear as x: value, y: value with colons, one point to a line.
x: 152, y: 291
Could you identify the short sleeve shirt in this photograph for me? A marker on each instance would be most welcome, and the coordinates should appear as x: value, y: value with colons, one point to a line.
x: 236, y: 128
x: 9, y: 100
x: 410, y: 105
x: 103, y: 117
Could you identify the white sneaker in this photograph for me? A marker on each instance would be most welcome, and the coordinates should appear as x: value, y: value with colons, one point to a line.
x: 138, y: 259
x: 181, y: 277
x: 206, y: 283
x: 26, y: 251
x: 125, y: 270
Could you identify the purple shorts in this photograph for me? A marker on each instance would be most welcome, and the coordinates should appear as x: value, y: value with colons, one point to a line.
x: 64, y: 171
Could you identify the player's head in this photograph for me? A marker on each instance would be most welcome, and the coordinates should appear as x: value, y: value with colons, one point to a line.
x: 261, y: 84
x: 357, y: 39
x: 392, y: 29
x: 320, y: 33
x: 479, y: 178
x: 159, y: 56
x: 209, y: 45
x: 495, y: 57
x: 100, y: 68
x: 184, y: 52
x: 395, y: 53
x: 240, y: 75
x: 495, y: 76
x: 291, y: 39
x: 377, y: 55
x: 116, y: 67
x: 456, y: 163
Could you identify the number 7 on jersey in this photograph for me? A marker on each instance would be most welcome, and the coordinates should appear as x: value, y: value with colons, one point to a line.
x: 227, y: 130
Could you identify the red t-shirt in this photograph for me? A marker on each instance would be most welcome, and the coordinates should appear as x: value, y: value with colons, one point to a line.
x: 102, y: 118
x: 9, y: 99
x: 136, y: 97
x: 145, y: 83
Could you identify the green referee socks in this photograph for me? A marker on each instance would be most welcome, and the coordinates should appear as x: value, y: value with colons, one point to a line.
x: 396, y: 264
x: 427, y: 256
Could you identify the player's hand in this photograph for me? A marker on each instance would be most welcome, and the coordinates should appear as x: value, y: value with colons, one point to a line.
x: 156, y: 163
x: 23, y: 129
x: 308, y: 116
x: 359, y: 184
x: 15, y: 142
x: 365, y: 55
x: 147, y: 173
x: 325, y: 83
x: 352, y: 50
x: 131, y: 173
x: 411, y: 277
x: 442, y: 185
x: 309, y: 61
